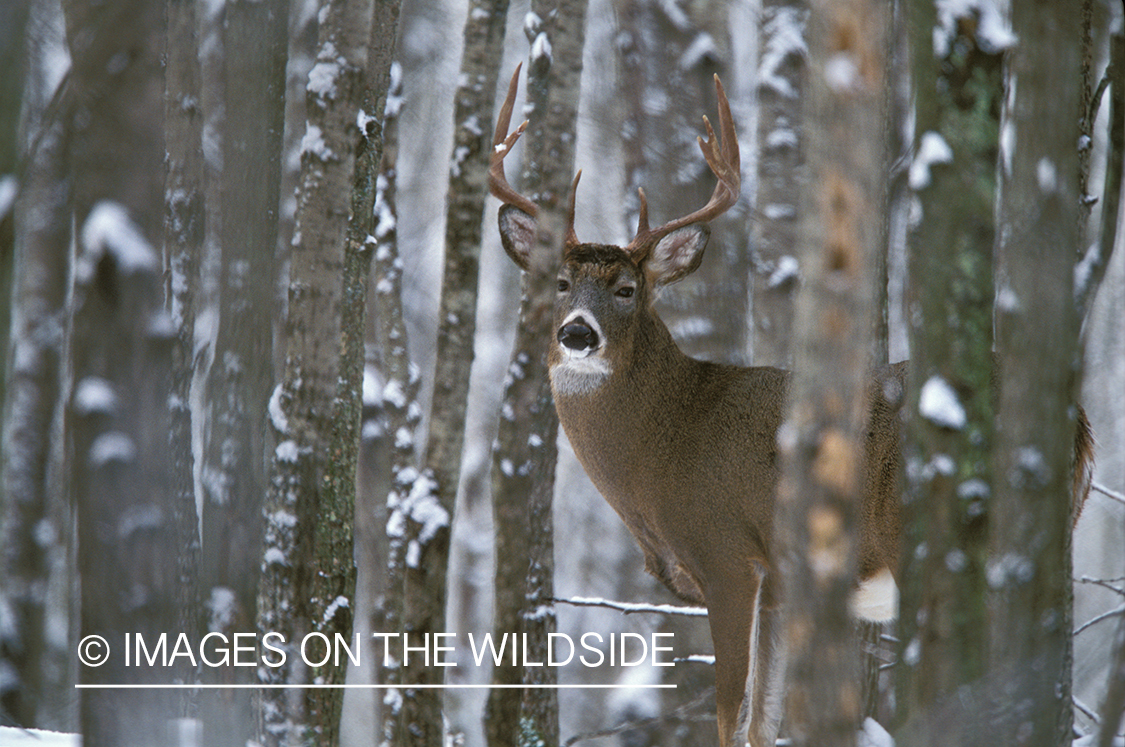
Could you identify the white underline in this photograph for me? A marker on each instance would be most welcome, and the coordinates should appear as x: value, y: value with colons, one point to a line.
x: 276, y: 686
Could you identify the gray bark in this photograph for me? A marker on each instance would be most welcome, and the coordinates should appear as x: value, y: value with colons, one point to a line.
x: 943, y: 625
x: 184, y: 218
x: 1029, y: 567
x: 35, y: 516
x: 776, y: 272
x: 242, y: 212
x: 425, y: 590
x: 117, y: 419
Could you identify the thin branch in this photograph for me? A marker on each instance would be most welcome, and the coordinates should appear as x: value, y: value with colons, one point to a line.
x: 629, y: 608
x: 695, y: 659
x: 1115, y: 495
x: 1106, y: 583
x: 1086, y: 710
x: 1109, y: 613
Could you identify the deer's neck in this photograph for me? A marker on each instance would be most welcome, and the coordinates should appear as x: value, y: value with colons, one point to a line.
x: 617, y: 428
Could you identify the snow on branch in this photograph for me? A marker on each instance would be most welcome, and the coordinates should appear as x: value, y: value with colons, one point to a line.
x: 1104, y: 616
x: 629, y: 608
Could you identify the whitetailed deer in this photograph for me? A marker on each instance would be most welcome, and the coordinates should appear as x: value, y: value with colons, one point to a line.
x: 685, y: 450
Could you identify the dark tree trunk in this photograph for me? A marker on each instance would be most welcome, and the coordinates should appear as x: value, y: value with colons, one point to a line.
x: 943, y: 625
x: 36, y: 517
x: 523, y: 473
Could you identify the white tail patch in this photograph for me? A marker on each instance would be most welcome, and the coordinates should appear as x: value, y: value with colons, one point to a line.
x: 876, y: 599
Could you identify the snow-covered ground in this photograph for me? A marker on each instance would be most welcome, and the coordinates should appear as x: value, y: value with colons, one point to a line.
x: 10, y: 737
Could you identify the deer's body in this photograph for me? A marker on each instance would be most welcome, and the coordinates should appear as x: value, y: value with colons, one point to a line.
x: 686, y: 453
x: 685, y: 450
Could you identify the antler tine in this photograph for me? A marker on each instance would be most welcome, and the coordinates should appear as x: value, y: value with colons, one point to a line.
x: 502, y: 143
x: 571, y: 236
x: 725, y: 162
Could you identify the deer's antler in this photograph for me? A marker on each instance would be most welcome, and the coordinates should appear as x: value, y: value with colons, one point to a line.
x: 502, y: 142
x: 725, y: 163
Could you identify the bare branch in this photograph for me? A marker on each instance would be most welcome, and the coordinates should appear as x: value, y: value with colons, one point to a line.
x: 629, y: 607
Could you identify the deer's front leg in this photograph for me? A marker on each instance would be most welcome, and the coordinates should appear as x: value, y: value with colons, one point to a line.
x: 731, y: 610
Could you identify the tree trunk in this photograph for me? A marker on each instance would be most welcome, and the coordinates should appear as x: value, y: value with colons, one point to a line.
x: 36, y: 517
x: 776, y: 271
x: 399, y: 400
x: 822, y: 440
x: 1029, y: 567
x: 308, y: 583
x: 121, y: 342
x: 243, y: 217
x: 184, y: 218
x: 425, y: 589
x: 943, y: 626
x: 524, y: 461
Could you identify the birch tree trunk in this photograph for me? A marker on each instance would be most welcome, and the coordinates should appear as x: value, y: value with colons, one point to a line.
x: 1029, y: 567
x: 943, y: 625
x: 822, y: 440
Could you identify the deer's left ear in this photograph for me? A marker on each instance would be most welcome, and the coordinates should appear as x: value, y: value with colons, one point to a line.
x: 677, y: 255
x: 517, y: 233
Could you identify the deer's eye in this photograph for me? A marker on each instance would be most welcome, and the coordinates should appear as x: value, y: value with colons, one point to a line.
x: 625, y: 291
x: 564, y: 285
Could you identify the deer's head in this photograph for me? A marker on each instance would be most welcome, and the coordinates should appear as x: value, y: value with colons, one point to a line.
x: 605, y: 292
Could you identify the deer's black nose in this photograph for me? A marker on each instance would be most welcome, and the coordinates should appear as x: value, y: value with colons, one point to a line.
x: 577, y: 335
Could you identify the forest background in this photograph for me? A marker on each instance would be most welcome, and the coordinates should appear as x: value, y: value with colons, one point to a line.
x: 223, y: 227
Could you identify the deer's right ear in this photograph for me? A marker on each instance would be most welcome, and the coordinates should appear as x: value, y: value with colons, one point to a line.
x: 677, y: 255
x: 517, y: 233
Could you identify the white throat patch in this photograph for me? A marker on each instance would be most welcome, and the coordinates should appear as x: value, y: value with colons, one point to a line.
x: 579, y: 374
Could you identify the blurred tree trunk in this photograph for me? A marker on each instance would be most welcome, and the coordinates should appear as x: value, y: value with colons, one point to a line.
x: 670, y: 53
x: 118, y: 419
x: 35, y: 518
x: 776, y: 271
x: 184, y: 218
x: 237, y: 390
x: 943, y: 626
x: 1029, y: 567
x: 13, y: 53
x: 822, y: 440
x: 431, y: 503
